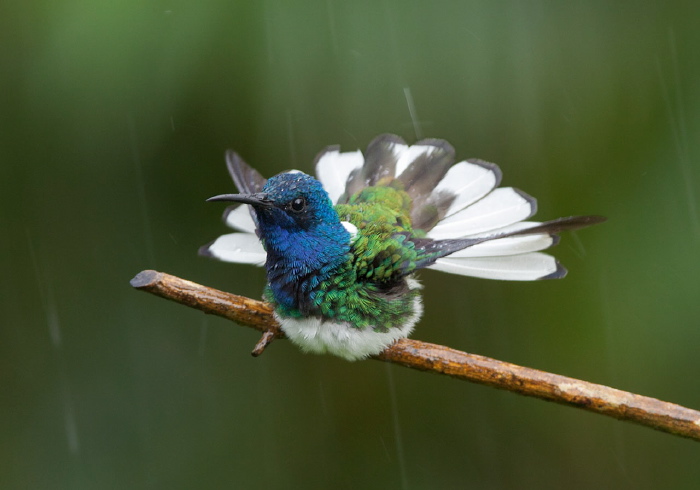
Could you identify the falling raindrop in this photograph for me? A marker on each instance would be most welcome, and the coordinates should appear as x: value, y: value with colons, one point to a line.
x: 412, y: 111
x: 397, y: 427
x: 141, y: 190
x: 676, y: 120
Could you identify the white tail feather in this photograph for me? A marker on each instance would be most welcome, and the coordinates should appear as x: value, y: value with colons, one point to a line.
x: 239, y: 218
x: 241, y: 248
x: 523, y: 267
x: 506, y: 246
x: 408, y: 154
x: 333, y: 169
x: 502, y: 207
x: 468, y: 182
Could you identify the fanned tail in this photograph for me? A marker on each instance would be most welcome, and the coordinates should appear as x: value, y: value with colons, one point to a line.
x: 468, y: 225
x: 472, y: 226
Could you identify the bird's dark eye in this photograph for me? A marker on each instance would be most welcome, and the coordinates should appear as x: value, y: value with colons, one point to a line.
x: 298, y: 205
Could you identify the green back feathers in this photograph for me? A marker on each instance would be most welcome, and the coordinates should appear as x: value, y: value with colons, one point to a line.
x: 382, y: 217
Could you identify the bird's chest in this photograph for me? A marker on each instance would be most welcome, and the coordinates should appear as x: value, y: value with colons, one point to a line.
x: 300, y: 290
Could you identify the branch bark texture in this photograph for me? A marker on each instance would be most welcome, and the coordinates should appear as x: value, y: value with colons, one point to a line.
x: 423, y: 356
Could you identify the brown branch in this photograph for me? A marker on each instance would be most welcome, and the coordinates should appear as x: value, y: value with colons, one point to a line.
x: 423, y: 356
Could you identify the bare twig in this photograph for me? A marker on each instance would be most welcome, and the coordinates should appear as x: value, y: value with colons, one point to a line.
x: 423, y: 356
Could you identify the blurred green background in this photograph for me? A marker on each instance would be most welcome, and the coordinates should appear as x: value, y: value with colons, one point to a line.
x: 114, y: 119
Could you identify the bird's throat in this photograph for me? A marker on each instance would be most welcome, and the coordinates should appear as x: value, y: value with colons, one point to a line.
x: 298, y: 263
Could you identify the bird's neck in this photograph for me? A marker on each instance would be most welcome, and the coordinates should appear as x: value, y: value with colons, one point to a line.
x: 299, y: 260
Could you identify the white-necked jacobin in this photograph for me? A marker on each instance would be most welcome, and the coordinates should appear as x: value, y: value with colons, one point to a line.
x: 341, y: 251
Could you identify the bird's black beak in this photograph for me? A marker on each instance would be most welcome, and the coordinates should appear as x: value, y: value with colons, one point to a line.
x: 260, y: 200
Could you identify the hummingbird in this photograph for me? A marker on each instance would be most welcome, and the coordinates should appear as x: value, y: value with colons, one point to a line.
x: 342, y: 250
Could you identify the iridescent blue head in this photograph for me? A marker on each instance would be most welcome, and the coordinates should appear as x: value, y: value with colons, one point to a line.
x: 301, y: 232
x: 296, y: 202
